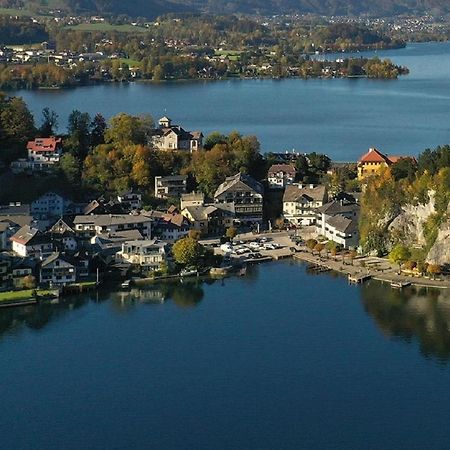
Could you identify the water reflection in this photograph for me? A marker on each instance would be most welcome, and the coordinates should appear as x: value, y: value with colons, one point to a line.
x: 185, y: 294
x: 412, y: 314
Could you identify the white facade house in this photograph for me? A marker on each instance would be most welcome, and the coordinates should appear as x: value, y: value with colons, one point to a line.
x: 281, y: 175
x: 58, y: 269
x: 171, y: 186
x: 173, y: 137
x: 146, y: 253
x: 91, y: 225
x: 300, y: 203
x: 49, y: 205
x: 338, y: 222
x: 30, y: 242
x: 130, y: 199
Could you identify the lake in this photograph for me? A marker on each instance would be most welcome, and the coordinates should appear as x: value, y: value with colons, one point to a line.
x: 341, y: 117
x: 280, y: 359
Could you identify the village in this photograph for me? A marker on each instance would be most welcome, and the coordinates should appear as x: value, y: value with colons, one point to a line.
x: 54, y: 242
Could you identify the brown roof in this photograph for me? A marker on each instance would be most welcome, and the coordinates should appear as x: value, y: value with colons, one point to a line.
x: 275, y: 168
x: 44, y: 144
x: 374, y: 155
x: 293, y: 193
x: 24, y: 235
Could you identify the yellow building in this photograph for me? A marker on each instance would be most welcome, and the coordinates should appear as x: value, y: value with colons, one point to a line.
x: 372, y: 162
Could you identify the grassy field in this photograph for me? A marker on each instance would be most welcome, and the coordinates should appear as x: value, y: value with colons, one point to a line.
x: 107, y: 27
x: 16, y: 12
x: 21, y: 295
x: 233, y: 55
x: 130, y: 62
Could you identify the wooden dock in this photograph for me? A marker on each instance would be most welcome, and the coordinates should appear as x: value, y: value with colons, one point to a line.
x: 358, y: 279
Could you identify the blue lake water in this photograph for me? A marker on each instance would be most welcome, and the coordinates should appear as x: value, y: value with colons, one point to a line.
x: 279, y: 359
x: 341, y: 117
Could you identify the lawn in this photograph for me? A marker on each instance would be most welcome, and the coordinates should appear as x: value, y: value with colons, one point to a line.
x: 21, y: 295
x: 16, y: 12
x: 130, y: 62
x: 107, y: 27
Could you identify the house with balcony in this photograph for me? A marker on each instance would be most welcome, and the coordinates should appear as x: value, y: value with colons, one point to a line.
x: 149, y: 254
x: 300, y: 203
x: 173, y: 186
x: 170, y: 137
x: 91, y: 225
x: 58, y: 268
x: 338, y: 222
x: 43, y: 154
x: 246, y: 196
x: 30, y: 242
x: 281, y: 175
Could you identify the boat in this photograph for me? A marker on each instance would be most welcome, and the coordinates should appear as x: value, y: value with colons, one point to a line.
x: 188, y: 273
x: 126, y: 284
x: 399, y: 284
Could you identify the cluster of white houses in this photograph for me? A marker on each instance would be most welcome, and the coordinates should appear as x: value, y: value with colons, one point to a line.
x: 58, y: 241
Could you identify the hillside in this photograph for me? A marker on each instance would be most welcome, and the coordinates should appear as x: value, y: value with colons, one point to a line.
x: 152, y: 8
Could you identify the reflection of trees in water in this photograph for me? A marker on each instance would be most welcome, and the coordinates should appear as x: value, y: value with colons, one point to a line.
x: 414, y: 313
x: 37, y: 316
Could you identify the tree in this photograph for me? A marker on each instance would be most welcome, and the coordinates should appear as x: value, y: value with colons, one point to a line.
x: 194, y: 234
x: 213, y: 139
x: 399, y: 254
x: 404, y: 168
x: 70, y: 167
x: 49, y: 123
x: 98, y: 128
x: 78, y: 141
x: 311, y: 243
x: 125, y: 129
x: 319, y: 247
x: 434, y: 269
x: 231, y: 233
x: 28, y: 282
x: 187, y: 251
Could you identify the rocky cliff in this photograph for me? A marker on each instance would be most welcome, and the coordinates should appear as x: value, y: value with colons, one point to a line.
x: 408, y: 226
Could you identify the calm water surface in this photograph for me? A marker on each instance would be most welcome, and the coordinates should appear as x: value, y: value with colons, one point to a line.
x: 277, y: 360
x: 339, y: 117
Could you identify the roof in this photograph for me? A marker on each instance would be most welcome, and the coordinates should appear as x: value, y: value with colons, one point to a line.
x: 294, y: 193
x: 193, y: 196
x: 25, y: 235
x: 235, y: 180
x: 172, y: 178
x: 342, y: 224
x: 373, y: 155
x: 44, y: 144
x: 55, y: 256
x: 16, y: 220
x: 288, y: 168
x: 110, y: 219
x: 337, y: 207
x: 18, y: 209
x: 146, y: 243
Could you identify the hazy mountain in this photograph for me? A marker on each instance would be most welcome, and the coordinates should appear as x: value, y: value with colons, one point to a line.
x: 152, y: 8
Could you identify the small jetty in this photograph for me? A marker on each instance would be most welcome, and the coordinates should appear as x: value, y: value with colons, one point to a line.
x: 358, y: 279
x: 400, y: 284
x: 317, y: 268
x: 126, y: 284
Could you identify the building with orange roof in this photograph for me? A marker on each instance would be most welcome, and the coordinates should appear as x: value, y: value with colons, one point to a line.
x: 373, y: 161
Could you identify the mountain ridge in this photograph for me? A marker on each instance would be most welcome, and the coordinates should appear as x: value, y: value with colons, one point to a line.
x: 153, y: 8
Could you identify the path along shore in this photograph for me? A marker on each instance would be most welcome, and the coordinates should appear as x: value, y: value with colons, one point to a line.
x: 380, y: 269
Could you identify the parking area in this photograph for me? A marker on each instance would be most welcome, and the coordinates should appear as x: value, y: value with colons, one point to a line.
x: 254, y: 248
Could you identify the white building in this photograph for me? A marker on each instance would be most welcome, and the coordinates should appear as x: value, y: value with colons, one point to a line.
x: 300, y: 203
x: 173, y: 137
x: 281, y: 175
x: 31, y: 242
x: 171, y: 186
x: 91, y: 225
x: 338, y: 222
x: 49, y: 205
x: 147, y: 253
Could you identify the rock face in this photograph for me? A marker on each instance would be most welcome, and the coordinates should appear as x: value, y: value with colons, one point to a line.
x: 407, y: 227
x: 440, y: 252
